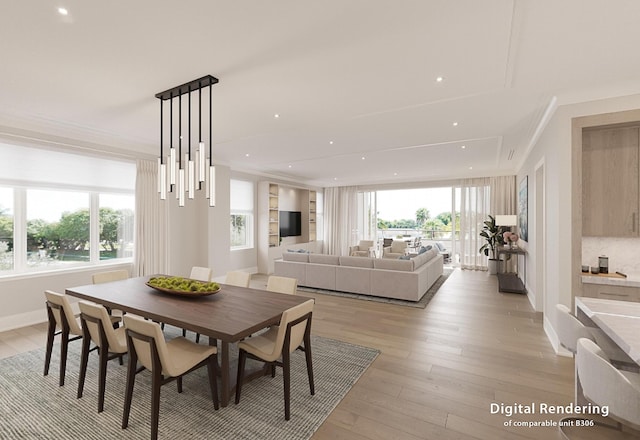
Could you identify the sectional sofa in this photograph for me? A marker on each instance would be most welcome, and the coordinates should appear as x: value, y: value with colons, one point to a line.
x: 391, y: 278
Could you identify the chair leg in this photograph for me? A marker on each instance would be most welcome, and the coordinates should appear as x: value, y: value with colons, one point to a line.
x: 307, y: 355
x: 212, y: 369
x: 50, y: 335
x: 184, y: 333
x: 286, y: 373
x: 131, y: 378
x: 102, y: 374
x: 197, y: 338
x: 179, y: 382
x: 64, y: 345
x: 155, y: 401
x: 242, y: 357
x: 84, y: 358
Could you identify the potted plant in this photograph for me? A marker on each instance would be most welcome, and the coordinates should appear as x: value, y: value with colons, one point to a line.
x: 493, y: 235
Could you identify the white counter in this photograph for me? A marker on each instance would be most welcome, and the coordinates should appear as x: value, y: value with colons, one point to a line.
x: 632, y: 280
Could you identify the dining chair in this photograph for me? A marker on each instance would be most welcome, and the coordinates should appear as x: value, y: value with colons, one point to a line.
x: 200, y: 274
x: 278, y: 343
x: 238, y: 278
x: 167, y: 361
x: 107, y: 277
x: 111, y: 343
x: 60, y: 315
x: 605, y: 386
x: 282, y: 284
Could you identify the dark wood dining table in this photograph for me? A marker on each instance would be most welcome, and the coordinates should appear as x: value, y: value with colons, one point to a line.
x: 229, y: 315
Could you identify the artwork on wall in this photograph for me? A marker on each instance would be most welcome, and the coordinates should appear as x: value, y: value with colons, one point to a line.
x: 523, y: 209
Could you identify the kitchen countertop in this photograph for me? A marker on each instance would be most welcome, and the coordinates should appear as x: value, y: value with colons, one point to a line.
x: 612, y: 279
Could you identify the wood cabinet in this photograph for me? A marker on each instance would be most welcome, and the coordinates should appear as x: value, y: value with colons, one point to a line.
x: 610, y: 182
x: 604, y: 291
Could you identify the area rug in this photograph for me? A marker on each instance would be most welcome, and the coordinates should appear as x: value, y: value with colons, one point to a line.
x: 33, y: 406
x: 417, y: 304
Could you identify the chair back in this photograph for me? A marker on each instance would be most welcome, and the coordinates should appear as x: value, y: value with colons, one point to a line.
x: 398, y: 246
x: 364, y: 245
x: 95, y: 316
x: 200, y: 274
x: 282, y: 284
x: 147, y: 339
x: 60, y: 306
x: 570, y: 329
x: 604, y: 385
x: 294, y: 323
x: 112, y: 275
x: 237, y: 278
x: 387, y: 242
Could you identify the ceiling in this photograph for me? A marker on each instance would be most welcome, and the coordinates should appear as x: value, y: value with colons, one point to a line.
x: 353, y: 81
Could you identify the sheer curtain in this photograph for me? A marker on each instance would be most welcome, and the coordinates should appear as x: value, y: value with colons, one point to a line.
x: 151, y: 253
x: 478, y: 199
x: 340, y: 219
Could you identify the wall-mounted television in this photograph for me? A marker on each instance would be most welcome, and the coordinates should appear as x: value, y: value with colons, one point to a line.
x: 290, y: 223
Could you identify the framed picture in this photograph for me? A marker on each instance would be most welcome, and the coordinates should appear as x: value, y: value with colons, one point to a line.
x: 523, y: 208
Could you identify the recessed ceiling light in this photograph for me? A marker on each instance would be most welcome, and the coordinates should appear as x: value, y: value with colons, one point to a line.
x: 439, y: 79
x: 455, y: 124
x: 335, y: 178
x: 290, y: 166
x: 63, y: 11
x: 395, y: 174
x: 470, y: 168
x: 363, y: 158
x: 463, y: 146
x: 276, y: 115
x: 330, y: 142
x: 246, y: 155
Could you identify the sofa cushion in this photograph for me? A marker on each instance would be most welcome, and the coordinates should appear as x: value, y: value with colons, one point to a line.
x: 357, y: 262
x: 324, y: 259
x: 295, y: 256
x: 423, y: 258
x: 393, y: 264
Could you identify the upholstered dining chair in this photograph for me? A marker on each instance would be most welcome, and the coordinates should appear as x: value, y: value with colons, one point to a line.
x: 362, y: 249
x: 112, y: 275
x: 278, y: 343
x: 397, y: 249
x: 282, y: 284
x: 60, y: 315
x: 167, y: 361
x: 238, y: 278
x: 605, y: 386
x: 200, y: 273
x: 111, y: 343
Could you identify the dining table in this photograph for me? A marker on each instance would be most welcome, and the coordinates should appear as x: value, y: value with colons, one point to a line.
x: 230, y: 315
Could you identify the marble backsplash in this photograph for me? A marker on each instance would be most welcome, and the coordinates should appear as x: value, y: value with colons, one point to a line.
x: 623, y: 253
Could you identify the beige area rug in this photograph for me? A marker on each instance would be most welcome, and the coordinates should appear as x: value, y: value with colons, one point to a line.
x: 35, y: 407
x: 447, y: 271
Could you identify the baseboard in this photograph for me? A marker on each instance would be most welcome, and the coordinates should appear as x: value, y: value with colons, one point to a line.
x: 23, y: 320
x: 553, y: 338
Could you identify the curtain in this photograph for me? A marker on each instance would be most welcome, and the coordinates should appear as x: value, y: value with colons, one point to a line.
x: 474, y: 209
x: 478, y: 199
x: 151, y: 253
x: 340, y: 219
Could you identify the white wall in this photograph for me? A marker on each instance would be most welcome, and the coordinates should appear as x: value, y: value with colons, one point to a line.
x: 554, y: 148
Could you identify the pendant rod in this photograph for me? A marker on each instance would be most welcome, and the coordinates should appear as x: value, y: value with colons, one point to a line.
x: 210, y: 129
x: 161, y: 127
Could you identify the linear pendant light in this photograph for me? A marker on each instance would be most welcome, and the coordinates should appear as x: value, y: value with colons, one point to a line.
x: 182, y: 172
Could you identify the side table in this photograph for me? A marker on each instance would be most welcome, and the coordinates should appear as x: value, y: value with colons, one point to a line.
x: 511, y: 282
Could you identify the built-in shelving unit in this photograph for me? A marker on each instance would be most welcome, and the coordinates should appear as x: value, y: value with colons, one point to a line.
x: 272, y: 198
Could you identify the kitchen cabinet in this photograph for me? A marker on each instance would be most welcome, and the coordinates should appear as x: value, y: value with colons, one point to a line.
x: 610, y: 182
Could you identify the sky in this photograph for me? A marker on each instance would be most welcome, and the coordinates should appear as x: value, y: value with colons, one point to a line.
x: 403, y: 203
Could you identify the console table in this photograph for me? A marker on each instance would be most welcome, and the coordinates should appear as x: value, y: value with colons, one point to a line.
x: 511, y: 282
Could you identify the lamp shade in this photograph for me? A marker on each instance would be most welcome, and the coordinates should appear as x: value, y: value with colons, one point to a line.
x: 506, y: 220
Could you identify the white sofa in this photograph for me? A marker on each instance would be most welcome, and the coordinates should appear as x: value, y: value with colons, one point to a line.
x: 390, y: 278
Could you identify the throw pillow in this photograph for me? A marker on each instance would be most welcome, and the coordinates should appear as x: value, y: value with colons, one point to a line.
x: 404, y: 257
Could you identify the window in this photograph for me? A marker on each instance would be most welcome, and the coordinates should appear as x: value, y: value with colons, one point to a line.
x: 241, y: 214
x: 6, y: 229
x: 61, y: 210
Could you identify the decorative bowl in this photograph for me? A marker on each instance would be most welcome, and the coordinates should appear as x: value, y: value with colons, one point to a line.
x: 186, y: 290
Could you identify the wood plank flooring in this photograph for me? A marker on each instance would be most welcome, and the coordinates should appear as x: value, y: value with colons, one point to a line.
x: 439, y: 369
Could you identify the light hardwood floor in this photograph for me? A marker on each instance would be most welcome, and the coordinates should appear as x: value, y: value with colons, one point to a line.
x: 439, y: 368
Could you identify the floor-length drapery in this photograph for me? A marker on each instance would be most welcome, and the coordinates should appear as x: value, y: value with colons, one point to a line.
x: 479, y: 198
x: 151, y: 240
x: 340, y: 219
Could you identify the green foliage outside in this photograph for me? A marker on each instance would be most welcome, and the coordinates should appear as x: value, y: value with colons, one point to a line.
x: 423, y: 222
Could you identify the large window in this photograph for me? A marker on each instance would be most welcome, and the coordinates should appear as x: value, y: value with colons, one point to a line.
x: 6, y: 229
x: 241, y: 214
x: 61, y: 210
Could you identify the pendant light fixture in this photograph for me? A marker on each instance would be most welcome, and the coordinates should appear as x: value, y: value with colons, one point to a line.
x: 177, y: 172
